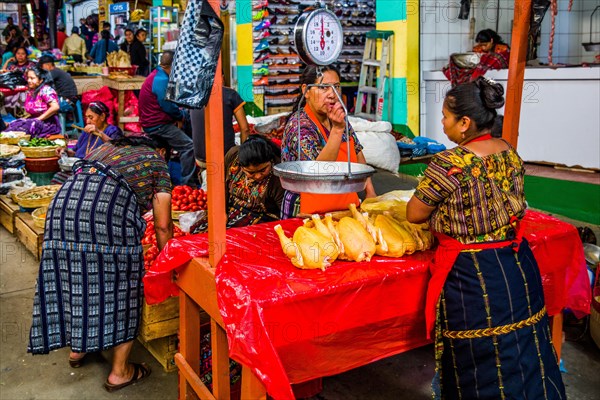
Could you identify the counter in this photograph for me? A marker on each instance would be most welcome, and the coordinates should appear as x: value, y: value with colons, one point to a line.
x: 560, y: 118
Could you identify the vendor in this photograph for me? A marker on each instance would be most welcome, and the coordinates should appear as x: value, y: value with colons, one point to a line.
x: 101, y: 49
x: 136, y: 51
x: 19, y: 62
x: 41, y: 103
x: 96, y: 132
x: 253, y: 193
x: 485, y: 278
x: 321, y: 120
x: 494, y: 55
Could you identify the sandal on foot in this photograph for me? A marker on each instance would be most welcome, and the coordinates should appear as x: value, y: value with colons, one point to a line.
x: 76, y: 362
x: 137, y: 377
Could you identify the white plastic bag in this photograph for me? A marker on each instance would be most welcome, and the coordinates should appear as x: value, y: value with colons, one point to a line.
x: 187, y: 220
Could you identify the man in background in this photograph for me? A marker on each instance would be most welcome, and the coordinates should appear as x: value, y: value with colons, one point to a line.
x: 10, y: 24
x: 63, y: 83
x: 74, y: 46
x: 61, y: 36
x: 160, y: 118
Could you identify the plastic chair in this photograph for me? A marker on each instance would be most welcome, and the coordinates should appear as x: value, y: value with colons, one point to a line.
x: 77, y: 114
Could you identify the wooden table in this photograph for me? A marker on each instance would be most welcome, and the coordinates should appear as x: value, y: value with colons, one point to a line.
x: 85, y: 83
x: 30, y: 235
x: 122, y: 85
x: 8, y: 213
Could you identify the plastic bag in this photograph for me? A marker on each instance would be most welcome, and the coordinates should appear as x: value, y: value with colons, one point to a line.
x: 12, y: 79
x: 187, y: 220
x: 195, y: 62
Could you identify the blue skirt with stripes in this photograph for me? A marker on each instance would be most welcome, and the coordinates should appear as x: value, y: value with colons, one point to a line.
x: 493, y: 338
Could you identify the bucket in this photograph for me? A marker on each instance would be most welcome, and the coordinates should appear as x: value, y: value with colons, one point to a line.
x: 41, y: 178
x: 49, y: 164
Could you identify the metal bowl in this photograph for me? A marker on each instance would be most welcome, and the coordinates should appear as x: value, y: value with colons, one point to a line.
x: 323, y: 176
x: 466, y: 60
x: 592, y: 253
x: 66, y: 163
x: 593, y: 46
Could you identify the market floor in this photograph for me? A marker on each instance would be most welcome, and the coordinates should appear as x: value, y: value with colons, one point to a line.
x: 406, y: 376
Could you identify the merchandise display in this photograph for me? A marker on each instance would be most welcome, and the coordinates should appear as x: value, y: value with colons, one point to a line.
x: 277, y: 67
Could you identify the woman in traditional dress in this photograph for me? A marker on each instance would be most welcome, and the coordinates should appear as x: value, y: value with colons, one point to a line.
x: 89, y: 293
x: 41, y: 102
x: 494, y: 54
x: 485, y: 296
x: 19, y: 62
x: 253, y: 193
x: 320, y: 124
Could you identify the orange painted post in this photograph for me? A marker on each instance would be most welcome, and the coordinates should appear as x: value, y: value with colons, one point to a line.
x: 516, y: 71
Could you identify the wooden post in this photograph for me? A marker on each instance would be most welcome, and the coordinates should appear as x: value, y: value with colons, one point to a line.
x: 516, y: 71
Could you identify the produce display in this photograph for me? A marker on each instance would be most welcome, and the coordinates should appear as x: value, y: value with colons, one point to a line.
x: 185, y: 198
x: 41, y: 142
x: 319, y: 242
x: 37, y: 197
x: 149, y: 239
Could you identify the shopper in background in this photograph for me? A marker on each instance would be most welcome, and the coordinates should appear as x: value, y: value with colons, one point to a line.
x: 19, y: 62
x: 41, y: 103
x: 63, y: 83
x: 485, y: 296
x: 75, y: 46
x: 106, y: 27
x: 61, y: 36
x: 28, y: 40
x: 233, y: 107
x: 160, y: 118
x: 89, y: 290
x: 136, y: 51
x: 44, y: 42
x: 102, y: 48
x: 10, y: 24
x: 320, y: 123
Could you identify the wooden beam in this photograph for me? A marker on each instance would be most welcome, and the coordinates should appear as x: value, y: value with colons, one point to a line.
x: 516, y: 71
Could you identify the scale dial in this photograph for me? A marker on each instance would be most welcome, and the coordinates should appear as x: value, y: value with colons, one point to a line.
x: 318, y: 37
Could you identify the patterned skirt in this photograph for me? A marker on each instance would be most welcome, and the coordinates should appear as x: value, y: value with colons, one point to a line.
x: 89, y: 291
x: 493, y: 337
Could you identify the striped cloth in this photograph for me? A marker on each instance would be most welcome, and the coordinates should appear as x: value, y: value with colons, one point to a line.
x: 487, y: 289
x: 89, y: 290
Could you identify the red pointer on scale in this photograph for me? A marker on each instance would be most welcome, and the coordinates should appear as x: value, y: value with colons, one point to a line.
x: 322, y: 34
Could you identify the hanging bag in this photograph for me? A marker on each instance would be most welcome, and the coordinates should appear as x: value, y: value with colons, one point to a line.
x: 196, y: 57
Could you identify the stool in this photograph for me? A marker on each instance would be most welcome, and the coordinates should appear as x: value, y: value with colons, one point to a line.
x: 77, y: 117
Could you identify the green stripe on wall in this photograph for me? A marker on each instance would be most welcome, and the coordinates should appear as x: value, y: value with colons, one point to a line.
x: 245, y: 82
x: 576, y: 200
x: 243, y: 11
x: 392, y: 10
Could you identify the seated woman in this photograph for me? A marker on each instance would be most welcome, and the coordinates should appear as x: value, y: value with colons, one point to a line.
x: 41, y: 103
x: 494, y: 55
x: 18, y: 62
x: 253, y: 193
x: 320, y: 123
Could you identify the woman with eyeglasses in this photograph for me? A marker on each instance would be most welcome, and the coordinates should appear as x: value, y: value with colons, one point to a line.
x: 320, y: 123
x: 253, y: 193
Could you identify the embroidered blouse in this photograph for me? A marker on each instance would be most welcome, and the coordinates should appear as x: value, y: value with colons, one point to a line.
x: 38, y: 104
x: 475, y: 196
x: 86, y: 142
x: 141, y: 166
x: 311, y: 142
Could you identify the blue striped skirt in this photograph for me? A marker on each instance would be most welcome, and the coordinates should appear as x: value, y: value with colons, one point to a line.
x: 492, y: 337
x: 89, y: 291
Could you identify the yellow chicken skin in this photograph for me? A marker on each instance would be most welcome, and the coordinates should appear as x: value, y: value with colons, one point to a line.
x: 358, y: 243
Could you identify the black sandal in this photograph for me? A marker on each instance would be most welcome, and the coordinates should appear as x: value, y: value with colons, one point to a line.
x: 137, y: 368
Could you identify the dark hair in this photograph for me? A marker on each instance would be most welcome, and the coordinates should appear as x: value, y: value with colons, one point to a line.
x: 75, y: 30
x: 128, y: 30
x: 143, y: 140
x: 496, y: 130
x: 257, y: 150
x: 311, y: 74
x: 166, y: 59
x: 488, y: 35
x: 140, y: 30
x: 20, y: 47
x: 45, y: 60
x: 105, y: 25
x: 477, y: 100
x: 43, y: 75
x: 106, y: 36
x: 99, y: 107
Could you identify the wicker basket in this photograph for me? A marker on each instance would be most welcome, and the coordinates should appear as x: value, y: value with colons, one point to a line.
x: 8, y: 150
x: 39, y: 217
x: 47, y: 192
x: 14, y: 140
x: 40, y: 152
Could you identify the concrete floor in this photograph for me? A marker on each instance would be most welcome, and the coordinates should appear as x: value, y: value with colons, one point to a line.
x: 406, y: 376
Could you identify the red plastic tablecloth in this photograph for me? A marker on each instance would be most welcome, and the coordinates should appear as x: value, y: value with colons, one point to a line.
x: 292, y: 325
x: 11, y: 92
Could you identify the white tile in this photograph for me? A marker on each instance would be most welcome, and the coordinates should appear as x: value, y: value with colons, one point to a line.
x: 428, y: 65
x: 457, y: 26
x: 428, y: 46
x: 441, y: 47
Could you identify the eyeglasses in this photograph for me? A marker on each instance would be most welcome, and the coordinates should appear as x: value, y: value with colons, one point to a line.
x: 324, y: 87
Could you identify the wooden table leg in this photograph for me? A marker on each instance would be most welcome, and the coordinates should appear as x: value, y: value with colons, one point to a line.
x: 220, y: 361
x: 252, y: 388
x: 189, y: 343
x: 557, y: 333
x: 121, y: 100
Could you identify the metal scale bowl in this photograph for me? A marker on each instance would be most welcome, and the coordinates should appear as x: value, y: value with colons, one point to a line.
x: 321, y: 176
x: 592, y: 46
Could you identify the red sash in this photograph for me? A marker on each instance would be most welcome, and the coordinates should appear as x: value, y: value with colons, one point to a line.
x: 311, y: 203
x: 445, y: 257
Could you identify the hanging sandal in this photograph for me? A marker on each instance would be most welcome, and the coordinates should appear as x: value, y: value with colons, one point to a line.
x: 76, y: 362
x: 137, y: 368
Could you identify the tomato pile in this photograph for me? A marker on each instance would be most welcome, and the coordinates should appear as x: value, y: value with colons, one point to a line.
x: 150, y: 239
x: 187, y: 199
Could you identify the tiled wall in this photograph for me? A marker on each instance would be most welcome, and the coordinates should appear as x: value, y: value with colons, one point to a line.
x: 442, y: 33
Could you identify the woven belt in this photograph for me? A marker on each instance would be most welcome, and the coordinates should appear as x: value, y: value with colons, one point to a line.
x: 498, y: 330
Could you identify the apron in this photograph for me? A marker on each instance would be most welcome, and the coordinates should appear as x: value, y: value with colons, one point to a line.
x: 311, y: 203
